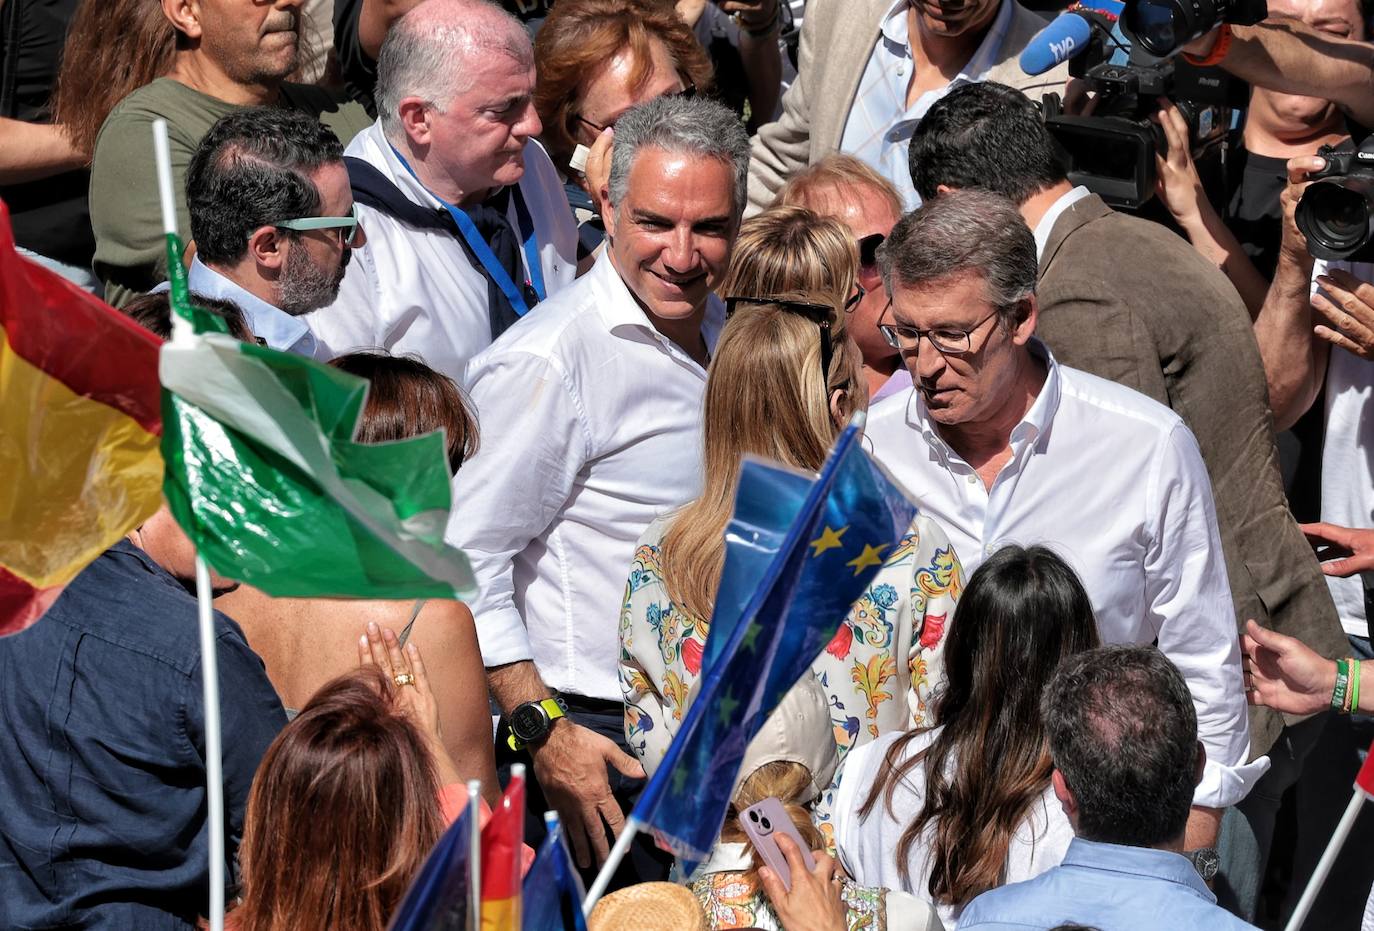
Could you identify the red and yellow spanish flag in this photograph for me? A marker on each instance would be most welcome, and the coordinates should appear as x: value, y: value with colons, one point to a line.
x: 502, y: 857
x: 80, y: 420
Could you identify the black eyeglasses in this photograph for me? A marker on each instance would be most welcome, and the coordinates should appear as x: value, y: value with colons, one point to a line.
x: 947, y: 340
x: 687, y: 93
x: 868, y: 250
x: 818, y: 314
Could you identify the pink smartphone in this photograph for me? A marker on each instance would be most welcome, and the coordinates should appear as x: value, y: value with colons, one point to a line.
x: 763, y: 822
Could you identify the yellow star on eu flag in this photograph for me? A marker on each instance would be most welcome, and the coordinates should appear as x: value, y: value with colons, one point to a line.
x: 828, y: 540
x: 871, y: 556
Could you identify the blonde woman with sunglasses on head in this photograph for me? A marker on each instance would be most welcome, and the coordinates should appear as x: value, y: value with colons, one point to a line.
x: 784, y: 381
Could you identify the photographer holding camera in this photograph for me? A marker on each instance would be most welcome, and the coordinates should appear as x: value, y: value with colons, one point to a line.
x: 1316, y: 332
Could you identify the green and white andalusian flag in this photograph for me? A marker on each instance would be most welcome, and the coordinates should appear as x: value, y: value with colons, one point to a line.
x: 263, y: 474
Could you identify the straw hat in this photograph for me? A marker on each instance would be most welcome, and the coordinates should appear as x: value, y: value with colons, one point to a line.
x: 648, y: 907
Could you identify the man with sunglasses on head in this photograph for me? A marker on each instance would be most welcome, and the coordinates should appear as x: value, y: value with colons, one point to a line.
x: 468, y: 224
x: 591, y: 414
x: 273, y: 220
x: 1002, y: 444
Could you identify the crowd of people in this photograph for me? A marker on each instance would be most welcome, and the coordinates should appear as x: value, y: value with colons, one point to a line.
x: 613, y: 247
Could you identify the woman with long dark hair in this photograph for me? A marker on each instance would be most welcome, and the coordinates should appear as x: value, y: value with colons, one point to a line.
x: 950, y: 811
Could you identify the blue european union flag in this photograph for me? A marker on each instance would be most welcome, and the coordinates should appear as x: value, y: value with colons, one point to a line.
x: 552, y: 892
x: 837, y: 540
x: 440, y: 896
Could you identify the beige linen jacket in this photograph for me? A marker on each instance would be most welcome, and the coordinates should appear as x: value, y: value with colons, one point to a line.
x: 836, y: 41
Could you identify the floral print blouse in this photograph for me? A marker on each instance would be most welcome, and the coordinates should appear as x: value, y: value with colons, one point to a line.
x: 878, y: 671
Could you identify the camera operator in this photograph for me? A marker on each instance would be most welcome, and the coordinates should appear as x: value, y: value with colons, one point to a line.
x: 1243, y: 239
x: 1316, y: 331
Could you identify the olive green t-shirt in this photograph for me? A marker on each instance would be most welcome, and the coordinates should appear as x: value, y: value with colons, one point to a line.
x: 125, y: 211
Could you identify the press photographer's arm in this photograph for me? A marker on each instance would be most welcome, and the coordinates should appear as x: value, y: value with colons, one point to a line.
x: 1289, y: 56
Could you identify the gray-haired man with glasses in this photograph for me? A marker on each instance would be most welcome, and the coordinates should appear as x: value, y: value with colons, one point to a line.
x: 1001, y: 444
x: 273, y: 220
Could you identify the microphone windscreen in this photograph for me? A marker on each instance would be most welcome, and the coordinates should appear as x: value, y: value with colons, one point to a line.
x: 1061, y: 40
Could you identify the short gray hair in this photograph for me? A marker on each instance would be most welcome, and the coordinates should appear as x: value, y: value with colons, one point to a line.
x: 427, y: 52
x: 964, y: 231
x: 678, y: 124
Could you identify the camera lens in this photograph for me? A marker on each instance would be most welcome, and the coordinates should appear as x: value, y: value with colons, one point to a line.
x: 1336, y: 215
x: 754, y: 817
x: 766, y: 825
x: 1159, y: 26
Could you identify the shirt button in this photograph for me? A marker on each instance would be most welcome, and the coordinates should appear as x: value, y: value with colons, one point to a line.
x: 972, y: 479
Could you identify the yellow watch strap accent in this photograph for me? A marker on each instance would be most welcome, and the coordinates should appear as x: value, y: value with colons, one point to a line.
x: 552, y: 708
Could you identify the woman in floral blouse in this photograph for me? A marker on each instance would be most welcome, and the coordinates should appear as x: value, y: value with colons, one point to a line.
x: 767, y: 395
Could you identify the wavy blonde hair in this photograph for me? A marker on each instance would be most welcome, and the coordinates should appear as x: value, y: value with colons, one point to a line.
x: 796, y: 254
x: 765, y: 392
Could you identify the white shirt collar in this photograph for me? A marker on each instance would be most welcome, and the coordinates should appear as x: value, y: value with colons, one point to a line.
x: 1046, y: 224
x: 1024, y: 435
x: 275, y: 326
x: 621, y: 309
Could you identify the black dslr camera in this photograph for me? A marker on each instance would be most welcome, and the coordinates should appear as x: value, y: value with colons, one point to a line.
x: 1112, y: 152
x: 1336, y: 212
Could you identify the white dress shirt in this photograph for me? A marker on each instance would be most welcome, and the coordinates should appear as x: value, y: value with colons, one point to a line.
x: 274, y: 326
x: 879, y: 126
x: 590, y: 430
x: 1114, y: 483
x: 1347, y: 453
x: 415, y: 291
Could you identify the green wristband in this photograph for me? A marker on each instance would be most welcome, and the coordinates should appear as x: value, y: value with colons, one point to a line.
x: 1342, y: 683
x: 1354, y: 686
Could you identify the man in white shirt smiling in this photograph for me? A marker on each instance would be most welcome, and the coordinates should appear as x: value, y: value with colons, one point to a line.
x: 1001, y: 444
x: 469, y: 224
x: 591, y: 428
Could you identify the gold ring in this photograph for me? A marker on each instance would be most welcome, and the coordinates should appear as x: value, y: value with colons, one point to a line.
x: 404, y: 678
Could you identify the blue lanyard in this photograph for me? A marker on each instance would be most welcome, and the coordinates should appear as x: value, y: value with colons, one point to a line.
x: 489, y: 261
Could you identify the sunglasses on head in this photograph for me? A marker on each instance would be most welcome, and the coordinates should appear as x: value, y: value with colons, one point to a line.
x: 868, y: 250
x: 818, y: 314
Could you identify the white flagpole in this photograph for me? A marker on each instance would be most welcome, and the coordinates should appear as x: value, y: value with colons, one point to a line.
x: 209, y: 663
x: 475, y: 854
x: 214, y: 760
x: 1328, y: 860
x: 603, y: 878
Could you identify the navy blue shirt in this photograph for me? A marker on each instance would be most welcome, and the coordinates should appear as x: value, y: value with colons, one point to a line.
x: 102, y: 752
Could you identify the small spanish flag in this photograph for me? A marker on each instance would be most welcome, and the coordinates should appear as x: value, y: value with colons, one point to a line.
x: 80, y: 420
x: 502, y: 857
